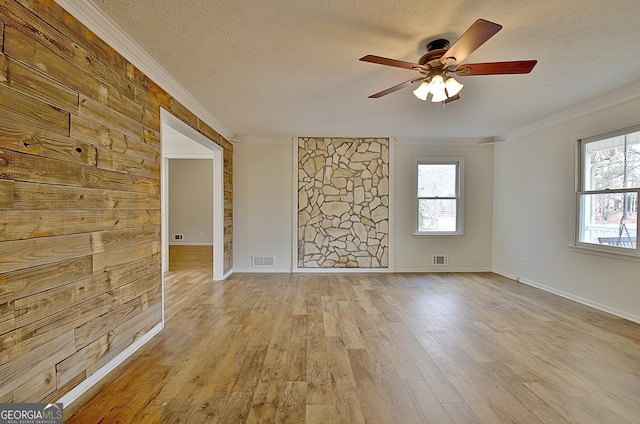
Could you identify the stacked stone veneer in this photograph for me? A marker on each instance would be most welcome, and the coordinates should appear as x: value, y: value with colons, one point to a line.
x: 343, y: 203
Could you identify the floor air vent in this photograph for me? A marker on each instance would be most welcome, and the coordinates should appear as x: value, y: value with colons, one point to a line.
x: 440, y: 260
x: 262, y: 261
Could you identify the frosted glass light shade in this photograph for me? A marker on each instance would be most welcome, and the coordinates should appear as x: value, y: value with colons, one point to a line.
x: 453, y: 87
x: 436, y: 87
x: 422, y: 91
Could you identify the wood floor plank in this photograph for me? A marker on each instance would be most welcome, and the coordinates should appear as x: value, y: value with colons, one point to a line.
x: 380, y: 348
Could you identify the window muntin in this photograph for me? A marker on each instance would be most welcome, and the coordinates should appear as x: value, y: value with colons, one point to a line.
x: 608, y: 191
x: 438, y: 191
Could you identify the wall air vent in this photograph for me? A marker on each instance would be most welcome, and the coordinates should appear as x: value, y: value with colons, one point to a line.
x: 440, y: 260
x: 263, y: 261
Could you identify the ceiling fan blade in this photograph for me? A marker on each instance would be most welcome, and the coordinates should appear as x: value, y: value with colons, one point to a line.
x: 396, y: 88
x: 477, y: 34
x: 391, y: 62
x: 496, y: 68
x: 452, y: 98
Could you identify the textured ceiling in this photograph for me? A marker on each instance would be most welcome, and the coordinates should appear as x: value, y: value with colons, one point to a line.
x: 290, y: 67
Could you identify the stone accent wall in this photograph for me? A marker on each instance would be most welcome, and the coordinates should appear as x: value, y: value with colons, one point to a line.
x: 343, y: 202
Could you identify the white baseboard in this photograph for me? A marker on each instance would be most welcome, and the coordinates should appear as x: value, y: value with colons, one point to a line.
x: 262, y: 270
x: 571, y: 296
x: 267, y: 270
x: 81, y: 388
x: 190, y: 243
x: 342, y: 270
x: 439, y: 269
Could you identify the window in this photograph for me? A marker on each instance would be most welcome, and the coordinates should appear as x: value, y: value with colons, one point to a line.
x: 438, y: 190
x: 608, y: 188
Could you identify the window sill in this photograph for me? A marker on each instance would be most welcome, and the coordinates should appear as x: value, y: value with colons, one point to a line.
x: 438, y: 235
x: 631, y: 256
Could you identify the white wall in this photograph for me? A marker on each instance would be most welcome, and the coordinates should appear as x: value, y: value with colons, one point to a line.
x: 533, y: 206
x: 262, y: 204
x: 191, y: 200
x: 469, y: 252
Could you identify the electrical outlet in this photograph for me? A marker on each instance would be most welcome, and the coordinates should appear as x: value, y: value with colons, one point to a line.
x: 526, y: 261
x: 178, y: 236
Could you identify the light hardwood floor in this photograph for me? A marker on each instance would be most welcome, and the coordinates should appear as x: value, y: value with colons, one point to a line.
x: 363, y: 348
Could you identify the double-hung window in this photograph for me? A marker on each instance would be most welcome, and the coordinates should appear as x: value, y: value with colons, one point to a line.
x: 438, y: 208
x: 608, y: 188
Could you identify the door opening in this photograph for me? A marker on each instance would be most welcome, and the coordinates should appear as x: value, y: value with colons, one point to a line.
x: 180, y: 141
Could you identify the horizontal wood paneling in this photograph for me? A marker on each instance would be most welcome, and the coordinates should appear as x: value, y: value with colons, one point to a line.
x: 35, y: 279
x: 20, y: 254
x: 23, y: 138
x: 25, y: 80
x: 38, y: 57
x: 19, y: 107
x: 6, y: 194
x: 113, y: 180
x: 29, y: 196
x: 80, y: 271
x: 21, y: 224
x: 23, y: 167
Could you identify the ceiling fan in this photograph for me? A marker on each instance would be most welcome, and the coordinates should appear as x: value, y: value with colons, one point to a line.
x: 441, y: 60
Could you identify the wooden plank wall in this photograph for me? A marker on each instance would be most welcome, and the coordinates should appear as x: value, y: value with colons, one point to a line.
x: 80, y: 275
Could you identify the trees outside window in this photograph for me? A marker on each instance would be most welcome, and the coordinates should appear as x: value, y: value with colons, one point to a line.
x: 438, y: 190
x: 608, y: 187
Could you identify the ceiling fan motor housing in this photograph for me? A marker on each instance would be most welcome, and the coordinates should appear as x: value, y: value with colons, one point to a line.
x: 435, y: 50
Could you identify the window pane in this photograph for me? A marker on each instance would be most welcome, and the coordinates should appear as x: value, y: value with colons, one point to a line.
x: 612, y: 163
x: 436, y: 215
x: 437, y: 180
x: 609, y: 219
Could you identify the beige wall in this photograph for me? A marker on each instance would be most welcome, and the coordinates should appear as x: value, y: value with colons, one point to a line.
x: 534, y: 206
x: 263, y: 185
x: 264, y: 195
x: 469, y: 252
x: 191, y: 200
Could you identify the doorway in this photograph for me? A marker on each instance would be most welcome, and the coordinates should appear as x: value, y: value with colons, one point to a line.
x: 180, y: 141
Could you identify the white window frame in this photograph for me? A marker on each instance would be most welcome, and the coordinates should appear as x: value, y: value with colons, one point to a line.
x: 459, y: 163
x: 581, y: 191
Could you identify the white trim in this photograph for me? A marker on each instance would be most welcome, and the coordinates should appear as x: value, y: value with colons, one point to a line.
x: 262, y: 270
x: 166, y: 118
x: 188, y: 155
x: 598, y: 250
x: 606, y: 101
x: 343, y: 271
x: 81, y: 388
x: 294, y: 233
x: 391, y: 207
x: 190, y: 243
x: 439, y: 269
x: 437, y: 160
x: 98, y: 22
x: 294, y: 216
x: 570, y: 296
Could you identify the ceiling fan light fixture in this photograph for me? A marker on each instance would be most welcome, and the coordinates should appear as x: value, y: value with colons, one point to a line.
x: 453, y: 87
x: 422, y: 91
x: 436, y: 88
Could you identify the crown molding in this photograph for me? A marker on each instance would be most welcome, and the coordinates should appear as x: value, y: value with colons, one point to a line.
x: 103, y: 26
x: 596, y: 104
